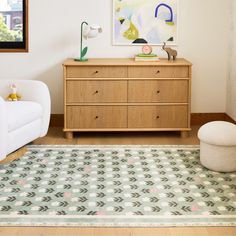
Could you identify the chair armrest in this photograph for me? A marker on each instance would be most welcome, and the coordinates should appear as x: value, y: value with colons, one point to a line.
x: 3, y: 129
x: 32, y: 90
x: 37, y: 91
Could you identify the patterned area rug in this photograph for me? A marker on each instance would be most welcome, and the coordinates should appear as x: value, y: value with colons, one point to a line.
x: 115, y: 186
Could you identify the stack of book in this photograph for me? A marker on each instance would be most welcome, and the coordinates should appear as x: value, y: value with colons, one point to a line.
x: 147, y: 57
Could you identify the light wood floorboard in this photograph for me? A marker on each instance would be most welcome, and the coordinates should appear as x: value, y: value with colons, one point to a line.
x: 56, y: 136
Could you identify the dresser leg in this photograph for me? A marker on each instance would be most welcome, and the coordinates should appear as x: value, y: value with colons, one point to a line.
x: 69, y: 135
x: 184, y: 134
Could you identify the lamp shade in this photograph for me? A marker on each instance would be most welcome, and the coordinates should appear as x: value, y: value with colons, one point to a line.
x: 91, y: 31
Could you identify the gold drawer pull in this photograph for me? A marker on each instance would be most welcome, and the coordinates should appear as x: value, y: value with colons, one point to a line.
x: 158, y: 91
x: 158, y: 117
x: 96, y: 72
x: 96, y: 117
x: 96, y: 92
x: 158, y: 72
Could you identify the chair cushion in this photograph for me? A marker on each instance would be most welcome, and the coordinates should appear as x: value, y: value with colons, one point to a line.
x: 21, y: 113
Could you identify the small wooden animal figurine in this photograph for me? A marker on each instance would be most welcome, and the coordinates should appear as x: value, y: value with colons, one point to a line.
x: 171, y: 52
x: 13, y: 96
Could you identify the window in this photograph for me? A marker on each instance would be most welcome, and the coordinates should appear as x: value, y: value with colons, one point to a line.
x: 13, y: 25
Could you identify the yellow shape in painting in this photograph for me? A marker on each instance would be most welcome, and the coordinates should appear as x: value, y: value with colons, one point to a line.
x: 118, y: 9
x: 170, y: 23
x: 132, y: 33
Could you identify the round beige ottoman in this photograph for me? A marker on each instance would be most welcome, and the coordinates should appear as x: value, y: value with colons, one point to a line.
x: 218, y: 146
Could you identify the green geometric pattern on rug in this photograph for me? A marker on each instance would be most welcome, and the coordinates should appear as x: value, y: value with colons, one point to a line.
x: 115, y: 186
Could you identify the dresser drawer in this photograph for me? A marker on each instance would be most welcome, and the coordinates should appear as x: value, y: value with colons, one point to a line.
x: 86, y: 117
x: 96, y: 91
x: 96, y: 72
x: 158, y: 91
x: 158, y: 72
x: 157, y: 116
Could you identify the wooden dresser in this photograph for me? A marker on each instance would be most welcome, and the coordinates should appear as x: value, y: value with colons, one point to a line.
x: 124, y: 95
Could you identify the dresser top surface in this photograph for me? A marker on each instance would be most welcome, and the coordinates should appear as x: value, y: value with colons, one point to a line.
x: 126, y: 62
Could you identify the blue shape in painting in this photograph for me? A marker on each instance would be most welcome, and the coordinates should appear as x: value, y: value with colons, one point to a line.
x: 168, y: 7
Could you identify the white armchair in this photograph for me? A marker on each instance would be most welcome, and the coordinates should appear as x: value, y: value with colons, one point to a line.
x: 23, y: 121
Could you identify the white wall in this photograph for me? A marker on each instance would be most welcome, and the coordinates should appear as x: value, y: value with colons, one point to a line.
x: 54, y: 35
x: 231, y: 90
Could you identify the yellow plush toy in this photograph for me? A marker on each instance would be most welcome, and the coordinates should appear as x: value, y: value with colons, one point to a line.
x: 14, y: 96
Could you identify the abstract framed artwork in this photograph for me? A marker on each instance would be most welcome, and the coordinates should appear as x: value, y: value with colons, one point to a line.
x: 150, y: 22
x: 13, y: 25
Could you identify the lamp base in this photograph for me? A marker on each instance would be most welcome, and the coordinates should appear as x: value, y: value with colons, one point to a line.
x: 80, y: 59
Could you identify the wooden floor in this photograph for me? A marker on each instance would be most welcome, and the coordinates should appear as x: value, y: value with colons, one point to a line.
x: 55, y: 136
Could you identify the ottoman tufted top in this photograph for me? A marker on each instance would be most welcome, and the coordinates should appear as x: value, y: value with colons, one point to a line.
x: 219, y: 133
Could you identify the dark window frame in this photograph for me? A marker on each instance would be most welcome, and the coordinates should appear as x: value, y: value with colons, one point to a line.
x: 18, y: 46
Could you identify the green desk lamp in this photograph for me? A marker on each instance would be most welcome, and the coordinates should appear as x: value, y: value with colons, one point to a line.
x: 90, y: 31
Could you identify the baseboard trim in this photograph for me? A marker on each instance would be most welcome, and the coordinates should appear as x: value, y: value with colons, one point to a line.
x: 229, y: 119
x: 203, y: 118
x: 57, y: 120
